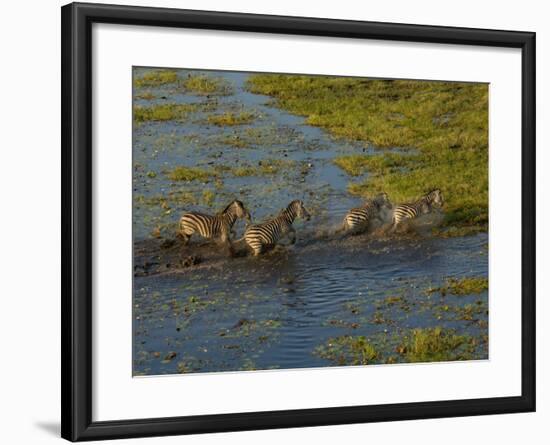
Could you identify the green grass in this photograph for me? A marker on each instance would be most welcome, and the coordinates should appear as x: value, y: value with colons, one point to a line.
x: 230, y: 119
x: 163, y: 112
x: 259, y: 136
x: 348, y: 350
x: 446, y: 123
x: 462, y: 286
x: 411, y: 346
x: 233, y: 140
x: 408, y: 346
x: 156, y: 78
x: 183, y: 173
x: 146, y: 95
x: 437, y: 344
x: 206, y: 85
x: 264, y: 167
x: 208, y: 197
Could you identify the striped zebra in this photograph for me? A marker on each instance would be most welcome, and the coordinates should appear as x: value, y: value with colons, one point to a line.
x: 420, y: 207
x: 358, y: 219
x: 266, y: 234
x: 218, y: 226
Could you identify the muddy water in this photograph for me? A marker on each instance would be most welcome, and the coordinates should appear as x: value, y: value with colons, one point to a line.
x: 244, y: 313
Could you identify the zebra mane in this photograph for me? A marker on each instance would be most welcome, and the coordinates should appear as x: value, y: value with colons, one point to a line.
x: 293, y: 203
x: 431, y: 193
x: 235, y: 201
x: 380, y: 198
x: 427, y: 195
x: 289, y: 207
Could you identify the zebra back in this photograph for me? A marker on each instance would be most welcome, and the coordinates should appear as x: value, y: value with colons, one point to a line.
x: 419, y: 207
x: 359, y: 217
x: 210, y: 226
x: 269, y: 232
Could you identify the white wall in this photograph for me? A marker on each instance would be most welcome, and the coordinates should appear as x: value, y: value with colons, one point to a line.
x: 30, y: 235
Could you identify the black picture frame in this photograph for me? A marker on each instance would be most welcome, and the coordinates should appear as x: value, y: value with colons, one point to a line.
x: 76, y: 311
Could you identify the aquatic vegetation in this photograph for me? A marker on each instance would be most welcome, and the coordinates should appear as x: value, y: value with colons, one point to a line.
x: 453, y: 231
x: 437, y: 344
x: 394, y: 301
x: 146, y: 95
x: 208, y: 197
x: 183, y: 173
x: 230, y: 118
x: 264, y: 167
x: 156, y: 78
x: 409, y: 346
x: 264, y: 136
x: 248, y: 327
x: 166, y: 201
x: 233, y: 140
x: 462, y: 286
x: 348, y: 350
x: 447, y: 122
x: 207, y: 85
x: 471, y: 312
x: 163, y: 112
x: 195, y: 304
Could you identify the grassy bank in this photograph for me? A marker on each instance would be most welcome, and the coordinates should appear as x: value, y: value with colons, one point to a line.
x: 462, y: 286
x: 416, y: 345
x: 199, y: 84
x: 156, y: 78
x: 265, y: 167
x: 231, y: 119
x: 207, y: 85
x: 163, y: 112
x: 440, y: 127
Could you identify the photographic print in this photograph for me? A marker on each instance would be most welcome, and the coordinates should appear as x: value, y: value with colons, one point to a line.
x: 285, y: 221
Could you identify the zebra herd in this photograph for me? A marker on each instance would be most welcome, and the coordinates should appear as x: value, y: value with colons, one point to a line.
x: 265, y: 235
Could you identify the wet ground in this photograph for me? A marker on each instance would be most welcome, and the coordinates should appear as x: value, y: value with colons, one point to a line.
x: 196, y: 309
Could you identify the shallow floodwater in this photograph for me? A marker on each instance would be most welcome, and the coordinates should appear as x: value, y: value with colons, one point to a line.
x: 275, y: 311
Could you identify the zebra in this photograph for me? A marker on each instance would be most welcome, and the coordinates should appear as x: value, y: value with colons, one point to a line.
x: 358, y: 219
x: 266, y: 234
x: 213, y: 226
x: 420, y: 207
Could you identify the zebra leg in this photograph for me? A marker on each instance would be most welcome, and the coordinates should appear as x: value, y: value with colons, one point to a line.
x: 256, y: 249
x: 185, y: 233
x: 360, y: 228
x: 226, y: 241
x: 382, y: 226
x: 292, y: 236
x: 185, y: 238
x: 395, y: 223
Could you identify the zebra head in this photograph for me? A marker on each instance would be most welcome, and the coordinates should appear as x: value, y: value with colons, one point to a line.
x: 435, y: 197
x: 298, y: 209
x: 238, y: 209
x: 382, y: 201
